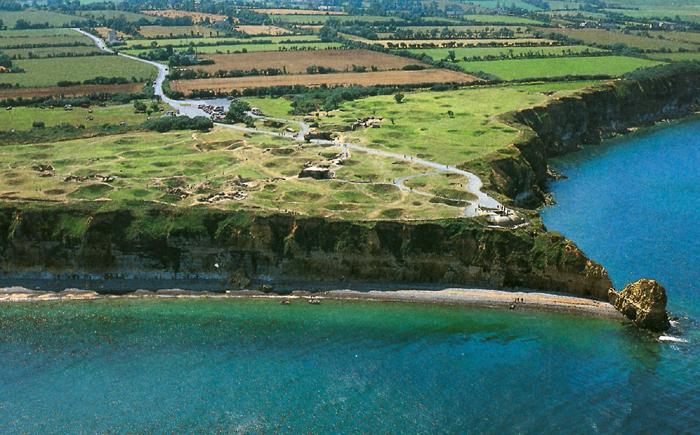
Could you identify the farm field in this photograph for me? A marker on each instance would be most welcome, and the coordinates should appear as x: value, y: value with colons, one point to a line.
x: 321, y: 19
x: 177, y: 31
x: 197, y: 17
x: 379, y: 78
x: 505, y: 52
x: 251, y: 48
x: 422, y: 126
x: 108, y: 14
x: 48, y: 72
x: 675, y: 57
x: 518, y: 31
x: 450, y: 43
x: 53, y: 19
x: 21, y: 118
x: 493, y: 4
x: 499, y: 19
x: 609, y: 38
x: 282, y: 11
x: 262, y: 30
x: 70, y: 91
x: 182, y: 42
x: 43, y: 52
x: 520, y: 69
x: 36, y: 38
x: 298, y: 62
x: 691, y: 37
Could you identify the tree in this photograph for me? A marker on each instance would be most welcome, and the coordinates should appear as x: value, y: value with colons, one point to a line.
x: 238, y: 112
x: 399, y: 98
x: 452, y: 55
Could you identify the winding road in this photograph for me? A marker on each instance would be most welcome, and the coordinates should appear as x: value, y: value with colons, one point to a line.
x: 483, y: 205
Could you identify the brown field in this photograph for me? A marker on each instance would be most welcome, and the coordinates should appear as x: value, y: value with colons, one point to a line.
x: 176, y: 31
x: 296, y: 62
x: 197, y: 17
x: 70, y: 91
x: 262, y: 30
x: 379, y: 78
x: 296, y: 12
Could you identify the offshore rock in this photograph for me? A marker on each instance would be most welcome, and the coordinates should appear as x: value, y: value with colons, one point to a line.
x: 643, y: 302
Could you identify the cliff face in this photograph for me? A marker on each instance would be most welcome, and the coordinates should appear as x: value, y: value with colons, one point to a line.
x: 202, y: 243
x: 564, y: 124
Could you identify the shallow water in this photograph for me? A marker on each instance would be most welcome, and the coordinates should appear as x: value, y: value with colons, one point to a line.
x: 174, y: 365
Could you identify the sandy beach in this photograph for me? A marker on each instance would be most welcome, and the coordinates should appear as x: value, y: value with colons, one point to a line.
x: 501, y: 299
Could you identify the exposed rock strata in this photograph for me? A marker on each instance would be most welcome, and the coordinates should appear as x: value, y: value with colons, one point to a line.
x: 239, y: 247
x: 564, y: 124
x: 643, y: 302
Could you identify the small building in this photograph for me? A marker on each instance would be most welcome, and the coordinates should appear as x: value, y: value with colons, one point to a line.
x: 113, y: 38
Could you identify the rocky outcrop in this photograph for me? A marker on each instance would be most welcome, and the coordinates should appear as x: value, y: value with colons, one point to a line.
x: 643, y: 302
x: 241, y: 247
x: 564, y: 124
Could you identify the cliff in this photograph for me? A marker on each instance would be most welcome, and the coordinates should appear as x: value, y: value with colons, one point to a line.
x: 564, y: 124
x: 239, y: 247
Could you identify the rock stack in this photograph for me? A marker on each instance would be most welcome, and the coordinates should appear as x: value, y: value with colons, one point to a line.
x: 643, y: 302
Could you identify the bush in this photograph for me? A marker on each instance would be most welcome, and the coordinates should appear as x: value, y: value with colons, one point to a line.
x: 38, y: 124
x: 167, y: 123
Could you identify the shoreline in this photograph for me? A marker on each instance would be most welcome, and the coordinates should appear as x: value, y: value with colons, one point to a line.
x: 475, y: 298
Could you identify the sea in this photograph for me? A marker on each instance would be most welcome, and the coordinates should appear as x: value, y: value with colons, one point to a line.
x: 255, y: 366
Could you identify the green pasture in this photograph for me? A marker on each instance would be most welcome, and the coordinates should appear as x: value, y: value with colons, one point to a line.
x: 519, y: 69
x: 183, y: 42
x: 451, y: 127
x: 251, y: 48
x: 47, y: 72
x: 499, y: 19
x: 505, y: 52
x: 42, y: 52
x: 54, y: 19
x: 22, y: 118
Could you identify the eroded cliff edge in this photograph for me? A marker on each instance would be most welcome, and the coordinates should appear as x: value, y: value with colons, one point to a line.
x: 561, y: 126
x: 240, y: 247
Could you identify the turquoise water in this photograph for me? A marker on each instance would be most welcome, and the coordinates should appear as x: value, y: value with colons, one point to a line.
x: 183, y: 365
x: 257, y: 366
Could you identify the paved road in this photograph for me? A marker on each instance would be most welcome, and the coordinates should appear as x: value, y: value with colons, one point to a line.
x: 190, y: 108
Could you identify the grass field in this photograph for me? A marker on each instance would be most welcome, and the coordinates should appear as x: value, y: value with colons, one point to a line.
x: 262, y: 30
x: 184, y: 169
x: 47, y: 72
x: 379, y: 78
x: 177, y: 31
x: 558, y: 67
x: 54, y: 19
x: 251, y: 48
x: 297, y: 63
x: 675, y: 57
x: 279, y: 11
x: 108, y: 14
x: 481, y: 52
x: 493, y: 4
x: 422, y: 126
x: 321, y: 19
x: 197, y: 17
x: 70, y: 91
x: 21, y: 118
x: 42, y: 52
x: 45, y: 37
x: 456, y: 43
x: 183, y: 42
x: 499, y: 19
x: 610, y: 38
